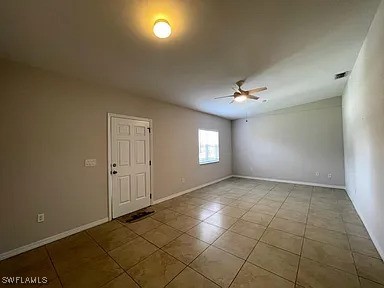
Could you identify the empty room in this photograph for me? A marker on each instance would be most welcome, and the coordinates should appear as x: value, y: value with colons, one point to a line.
x: 192, y: 143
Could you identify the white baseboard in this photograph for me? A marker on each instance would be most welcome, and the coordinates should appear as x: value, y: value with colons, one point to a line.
x: 291, y: 182
x: 50, y: 239
x: 379, y: 249
x: 188, y: 190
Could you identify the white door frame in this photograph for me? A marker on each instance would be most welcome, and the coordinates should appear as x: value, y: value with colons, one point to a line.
x: 109, y: 164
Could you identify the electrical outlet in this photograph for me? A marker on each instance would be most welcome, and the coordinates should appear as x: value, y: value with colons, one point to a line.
x: 329, y: 175
x: 40, y: 218
x: 182, y: 180
x: 317, y: 174
x: 90, y: 162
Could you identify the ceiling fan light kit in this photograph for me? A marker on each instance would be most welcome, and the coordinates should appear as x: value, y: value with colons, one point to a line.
x: 240, y: 98
x: 241, y: 95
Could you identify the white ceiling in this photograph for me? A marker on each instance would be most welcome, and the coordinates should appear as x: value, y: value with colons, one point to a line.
x: 294, y: 47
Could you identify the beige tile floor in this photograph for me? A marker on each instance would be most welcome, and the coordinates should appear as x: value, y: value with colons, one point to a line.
x: 236, y: 233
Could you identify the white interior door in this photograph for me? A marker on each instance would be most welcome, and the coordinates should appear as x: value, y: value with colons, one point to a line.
x: 130, y: 168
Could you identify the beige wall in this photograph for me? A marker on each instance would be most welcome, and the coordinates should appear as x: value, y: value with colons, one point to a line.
x: 50, y: 124
x: 292, y: 144
x: 363, y: 118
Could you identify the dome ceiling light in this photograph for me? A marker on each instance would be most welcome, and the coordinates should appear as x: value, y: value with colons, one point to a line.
x: 162, y: 29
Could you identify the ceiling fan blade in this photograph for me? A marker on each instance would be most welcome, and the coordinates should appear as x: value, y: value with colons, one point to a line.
x: 257, y: 90
x: 223, y: 97
x: 253, y: 97
x: 240, y: 83
x: 231, y: 101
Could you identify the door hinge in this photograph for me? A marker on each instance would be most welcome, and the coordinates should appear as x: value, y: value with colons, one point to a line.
x: 149, y: 129
x: 150, y: 162
x: 150, y: 196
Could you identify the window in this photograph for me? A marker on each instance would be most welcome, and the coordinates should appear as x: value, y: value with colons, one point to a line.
x: 208, y: 146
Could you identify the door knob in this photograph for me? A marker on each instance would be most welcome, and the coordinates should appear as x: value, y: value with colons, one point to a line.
x: 114, y: 172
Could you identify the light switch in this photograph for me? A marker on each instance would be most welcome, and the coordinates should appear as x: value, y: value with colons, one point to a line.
x: 90, y: 162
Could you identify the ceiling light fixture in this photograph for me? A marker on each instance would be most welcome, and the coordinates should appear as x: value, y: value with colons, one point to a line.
x: 240, y: 98
x: 162, y: 29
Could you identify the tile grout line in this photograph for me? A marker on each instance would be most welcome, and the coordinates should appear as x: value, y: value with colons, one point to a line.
x: 183, y: 232
x: 272, y: 272
x: 302, y: 244
x: 315, y: 240
x: 374, y: 281
x: 246, y: 260
x: 290, y: 191
x: 301, y: 256
x: 349, y: 250
x: 252, y: 248
x: 237, y: 219
x: 228, y: 229
x: 187, y: 265
x: 54, y: 267
x: 211, y: 245
x: 114, y: 259
x: 353, y: 256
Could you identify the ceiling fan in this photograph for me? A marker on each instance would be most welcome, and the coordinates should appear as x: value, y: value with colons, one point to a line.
x: 241, y: 95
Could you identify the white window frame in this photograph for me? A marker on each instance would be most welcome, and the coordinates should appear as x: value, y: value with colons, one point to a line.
x: 218, y: 146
